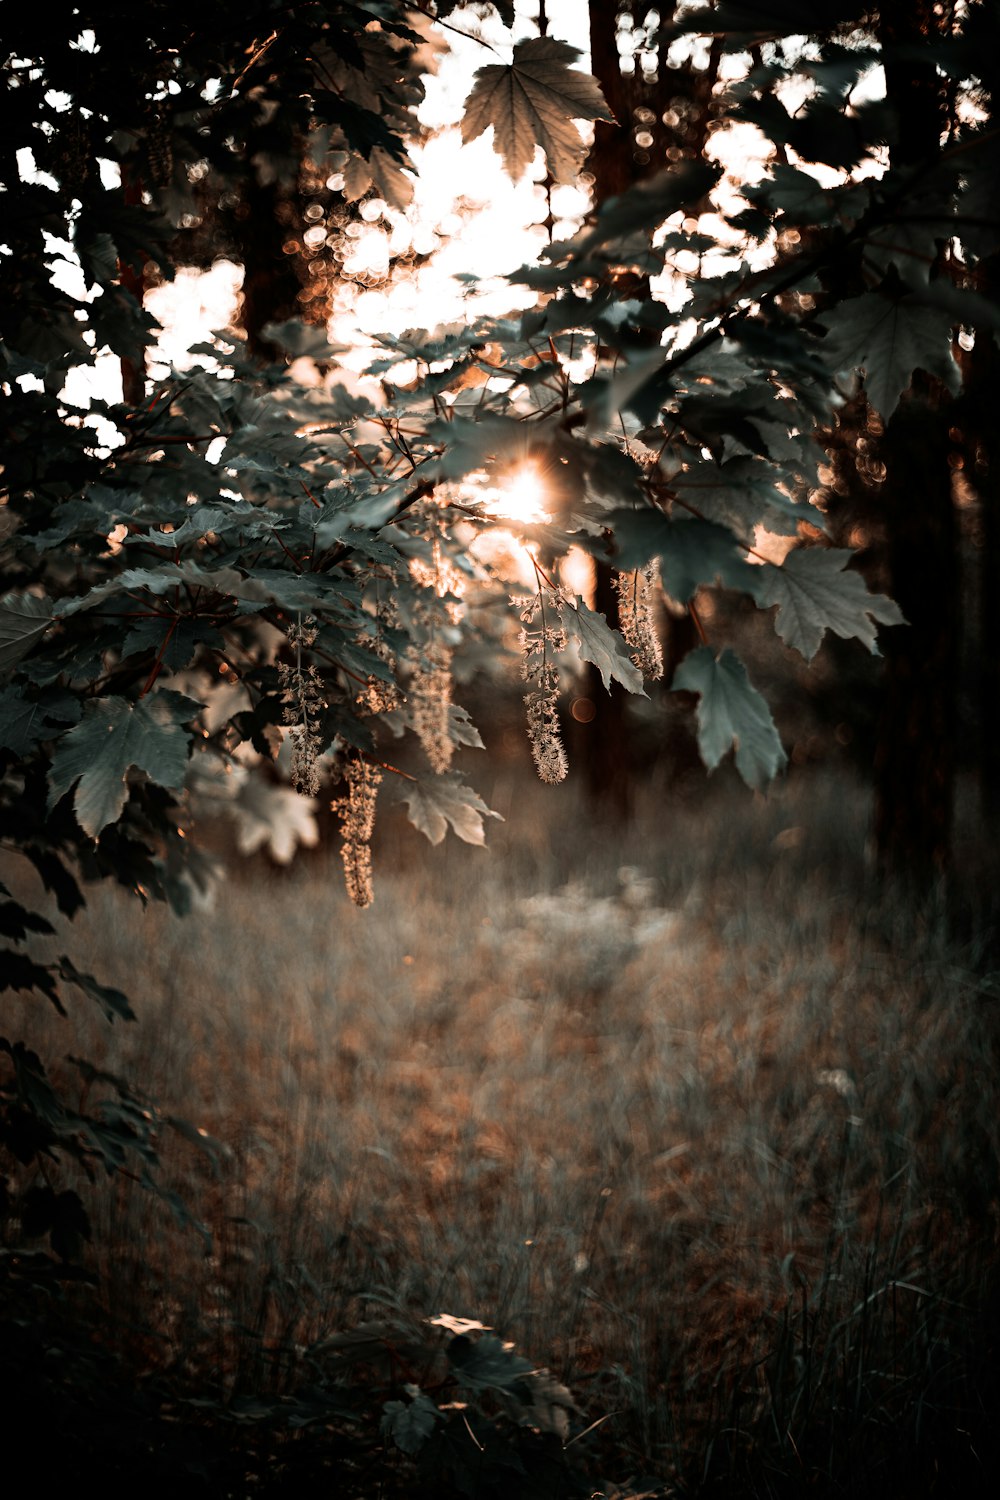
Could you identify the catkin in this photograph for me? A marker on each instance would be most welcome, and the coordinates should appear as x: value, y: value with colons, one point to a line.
x: 430, y: 702
x: 357, y: 823
x: 541, y: 701
x: 302, y: 703
x: 635, y: 616
x: 430, y: 665
x: 379, y: 696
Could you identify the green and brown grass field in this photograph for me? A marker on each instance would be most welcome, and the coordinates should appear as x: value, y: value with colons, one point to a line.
x: 693, y: 1112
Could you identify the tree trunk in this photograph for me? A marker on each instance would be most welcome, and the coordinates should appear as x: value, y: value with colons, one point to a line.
x: 915, y: 744
x: 916, y: 737
x: 981, y: 454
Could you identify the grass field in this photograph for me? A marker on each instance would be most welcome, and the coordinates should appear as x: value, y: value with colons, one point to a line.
x: 693, y: 1112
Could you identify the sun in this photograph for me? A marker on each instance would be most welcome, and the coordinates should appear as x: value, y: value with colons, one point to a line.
x: 520, y: 496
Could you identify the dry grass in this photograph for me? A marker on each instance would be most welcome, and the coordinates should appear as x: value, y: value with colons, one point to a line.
x: 715, y: 1139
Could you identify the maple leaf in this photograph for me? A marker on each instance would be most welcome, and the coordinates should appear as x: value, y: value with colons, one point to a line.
x: 534, y: 101
x: 604, y: 647
x: 273, y: 818
x: 113, y: 737
x: 439, y: 800
x: 381, y: 172
x: 814, y: 593
x: 410, y: 1424
x: 24, y: 619
x: 731, y: 715
x: 890, y: 339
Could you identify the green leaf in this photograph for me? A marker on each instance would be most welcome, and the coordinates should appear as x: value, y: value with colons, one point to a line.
x: 24, y: 619
x: 113, y: 737
x: 488, y: 1364
x: 442, y: 800
x: 158, y: 579
x: 21, y: 722
x: 411, y: 1423
x: 19, y: 972
x: 173, y: 638
x: 889, y: 340
x: 59, y: 1215
x: 692, y: 553
x: 534, y: 101
x: 731, y: 713
x: 56, y: 879
x: 815, y: 591
x: 604, y: 647
x: 742, y: 494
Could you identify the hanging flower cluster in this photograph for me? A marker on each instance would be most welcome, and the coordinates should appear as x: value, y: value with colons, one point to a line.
x: 378, y: 696
x: 636, y: 592
x: 538, y: 643
x: 302, y: 703
x: 430, y: 701
x: 430, y: 666
x: 357, y: 822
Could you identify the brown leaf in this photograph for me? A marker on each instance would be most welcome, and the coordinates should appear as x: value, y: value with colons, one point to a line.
x: 534, y: 101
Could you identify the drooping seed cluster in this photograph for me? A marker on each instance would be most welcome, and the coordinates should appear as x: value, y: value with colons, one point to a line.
x: 430, y: 702
x: 441, y: 575
x: 636, y: 592
x: 302, y: 703
x: 538, y: 643
x: 357, y: 822
x: 378, y: 696
x: 436, y: 607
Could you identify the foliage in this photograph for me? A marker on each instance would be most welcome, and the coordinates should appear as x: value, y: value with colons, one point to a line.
x: 217, y: 566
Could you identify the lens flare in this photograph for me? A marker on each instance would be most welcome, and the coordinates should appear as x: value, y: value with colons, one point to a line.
x: 520, y: 496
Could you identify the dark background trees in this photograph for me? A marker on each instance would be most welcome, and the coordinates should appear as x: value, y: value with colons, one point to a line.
x: 896, y: 480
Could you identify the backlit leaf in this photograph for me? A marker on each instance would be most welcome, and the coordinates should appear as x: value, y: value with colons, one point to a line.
x: 604, y: 647
x: 438, y: 801
x: 533, y: 101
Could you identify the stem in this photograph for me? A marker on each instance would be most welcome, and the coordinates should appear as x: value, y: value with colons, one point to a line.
x: 158, y: 663
x: 373, y: 760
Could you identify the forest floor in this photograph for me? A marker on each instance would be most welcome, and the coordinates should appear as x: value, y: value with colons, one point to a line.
x: 692, y: 1112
